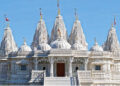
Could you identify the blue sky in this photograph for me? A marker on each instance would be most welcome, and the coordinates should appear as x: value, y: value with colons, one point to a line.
x: 96, y: 17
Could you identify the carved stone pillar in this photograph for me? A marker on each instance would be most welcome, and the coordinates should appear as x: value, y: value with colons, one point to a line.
x: 51, y: 60
x: 86, y: 64
x: 36, y: 63
x: 70, y: 66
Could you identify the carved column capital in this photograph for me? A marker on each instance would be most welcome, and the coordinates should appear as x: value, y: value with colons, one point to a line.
x: 71, y: 59
x: 51, y: 60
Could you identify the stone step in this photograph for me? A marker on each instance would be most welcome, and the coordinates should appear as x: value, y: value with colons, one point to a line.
x: 57, y: 81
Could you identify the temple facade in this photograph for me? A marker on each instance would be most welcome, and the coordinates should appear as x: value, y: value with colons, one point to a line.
x: 59, y: 59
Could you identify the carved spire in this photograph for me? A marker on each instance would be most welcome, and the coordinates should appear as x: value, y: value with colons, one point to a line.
x: 24, y: 47
x: 77, y: 32
x: 112, y: 43
x: 41, y: 34
x: 8, y: 44
x: 59, y: 24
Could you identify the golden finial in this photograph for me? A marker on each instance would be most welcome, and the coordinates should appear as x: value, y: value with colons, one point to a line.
x: 112, y: 24
x: 76, y: 15
x: 95, y: 41
x: 58, y: 7
x: 114, y: 20
x: 40, y: 13
x: 8, y: 24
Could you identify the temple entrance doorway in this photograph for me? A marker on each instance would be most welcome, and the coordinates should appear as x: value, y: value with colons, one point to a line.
x: 60, y: 69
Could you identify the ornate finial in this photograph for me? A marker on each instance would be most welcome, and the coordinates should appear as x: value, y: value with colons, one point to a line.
x: 58, y: 7
x: 7, y: 20
x: 112, y: 24
x: 40, y: 13
x: 95, y: 41
x: 114, y: 20
x: 76, y: 15
x: 24, y: 41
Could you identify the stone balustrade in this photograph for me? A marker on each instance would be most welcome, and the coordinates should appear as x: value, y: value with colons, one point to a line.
x: 99, y: 75
x: 115, y: 75
x: 105, y: 54
x: 84, y: 76
x: 89, y: 76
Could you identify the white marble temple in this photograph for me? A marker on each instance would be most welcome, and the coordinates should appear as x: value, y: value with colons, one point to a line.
x: 60, y: 60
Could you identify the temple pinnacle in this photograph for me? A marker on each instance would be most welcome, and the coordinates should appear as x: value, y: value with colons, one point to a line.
x: 76, y: 15
x: 40, y: 13
x: 58, y: 7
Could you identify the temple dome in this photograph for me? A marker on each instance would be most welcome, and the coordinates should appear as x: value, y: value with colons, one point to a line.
x: 60, y: 44
x: 24, y: 48
x: 96, y: 47
x: 78, y: 46
x: 44, y: 47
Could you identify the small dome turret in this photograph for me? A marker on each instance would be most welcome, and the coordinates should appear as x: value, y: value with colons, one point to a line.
x: 96, y: 47
x: 44, y: 47
x: 77, y: 45
x: 24, y: 48
x: 60, y: 44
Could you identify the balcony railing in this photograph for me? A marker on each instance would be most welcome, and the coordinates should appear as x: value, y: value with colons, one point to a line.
x: 89, y: 76
x: 84, y: 76
x: 115, y: 75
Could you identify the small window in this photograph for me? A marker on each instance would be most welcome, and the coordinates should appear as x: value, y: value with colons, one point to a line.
x: 97, y: 67
x: 23, y: 67
x: 44, y: 68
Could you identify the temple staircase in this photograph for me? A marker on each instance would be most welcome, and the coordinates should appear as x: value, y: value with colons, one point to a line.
x: 57, y: 81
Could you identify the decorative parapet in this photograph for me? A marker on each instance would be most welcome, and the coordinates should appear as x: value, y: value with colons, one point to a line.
x: 84, y: 76
x: 91, y: 76
x: 115, y: 75
x: 60, y: 52
x: 100, y: 75
x: 25, y: 53
x: 80, y: 53
x: 94, y: 54
x: 37, y: 76
x: 116, y: 55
